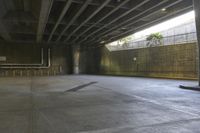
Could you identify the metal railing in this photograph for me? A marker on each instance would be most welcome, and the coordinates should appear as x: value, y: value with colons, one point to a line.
x: 168, y: 40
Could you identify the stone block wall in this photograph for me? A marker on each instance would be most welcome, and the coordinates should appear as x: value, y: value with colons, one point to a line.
x: 172, y: 61
x: 31, y: 54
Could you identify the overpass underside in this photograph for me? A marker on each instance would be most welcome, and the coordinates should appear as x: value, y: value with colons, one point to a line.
x: 43, y: 42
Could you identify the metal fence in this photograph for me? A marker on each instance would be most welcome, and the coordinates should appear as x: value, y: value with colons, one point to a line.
x: 168, y: 40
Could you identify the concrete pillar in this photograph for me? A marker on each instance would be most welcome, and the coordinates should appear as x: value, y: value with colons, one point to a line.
x: 196, y: 4
x: 76, y: 57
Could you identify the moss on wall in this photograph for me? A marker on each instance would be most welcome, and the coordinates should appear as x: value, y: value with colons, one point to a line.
x: 30, y: 54
x: 172, y: 61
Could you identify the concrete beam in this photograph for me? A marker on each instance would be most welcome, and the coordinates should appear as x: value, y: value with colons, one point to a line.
x: 97, y: 3
x: 146, y: 25
x: 91, y: 16
x: 119, y: 17
x: 133, y: 20
x: 138, y: 18
x: 103, y: 18
x: 84, y: 6
x: 65, y: 9
x: 43, y: 18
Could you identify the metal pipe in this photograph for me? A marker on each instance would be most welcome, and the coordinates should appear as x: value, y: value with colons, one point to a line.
x: 32, y: 67
x: 41, y: 61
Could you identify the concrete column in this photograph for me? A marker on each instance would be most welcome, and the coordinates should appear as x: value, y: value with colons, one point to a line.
x: 196, y: 4
x: 76, y: 56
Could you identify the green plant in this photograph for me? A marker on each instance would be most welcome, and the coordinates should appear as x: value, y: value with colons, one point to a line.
x: 124, y: 41
x: 154, y: 39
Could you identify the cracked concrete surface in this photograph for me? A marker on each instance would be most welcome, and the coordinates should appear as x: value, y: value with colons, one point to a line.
x: 111, y: 105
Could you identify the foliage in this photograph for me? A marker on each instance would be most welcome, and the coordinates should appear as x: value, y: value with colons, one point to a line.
x: 154, y: 39
x: 124, y: 41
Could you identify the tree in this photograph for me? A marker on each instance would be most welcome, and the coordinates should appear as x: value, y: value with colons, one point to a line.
x: 154, y: 39
x: 124, y: 41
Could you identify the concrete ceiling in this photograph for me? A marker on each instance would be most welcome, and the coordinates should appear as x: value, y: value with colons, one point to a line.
x: 85, y: 22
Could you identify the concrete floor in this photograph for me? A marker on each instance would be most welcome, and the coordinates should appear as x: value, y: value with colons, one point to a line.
x: 97, y: 104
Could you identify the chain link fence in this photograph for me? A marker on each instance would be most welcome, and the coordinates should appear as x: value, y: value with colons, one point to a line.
x: 168, y: 40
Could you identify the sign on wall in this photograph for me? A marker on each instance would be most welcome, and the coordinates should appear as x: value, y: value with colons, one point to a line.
x: 2, y: 58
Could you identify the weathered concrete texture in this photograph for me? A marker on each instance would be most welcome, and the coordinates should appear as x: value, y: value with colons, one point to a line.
x: 173, y: 61
x: 197, y: 19
x: 31, y: 54
x: 112, y: 105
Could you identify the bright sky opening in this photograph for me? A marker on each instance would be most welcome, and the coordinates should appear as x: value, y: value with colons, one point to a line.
x: 163, y: 26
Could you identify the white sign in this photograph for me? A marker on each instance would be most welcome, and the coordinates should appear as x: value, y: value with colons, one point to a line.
x: 2, y: 58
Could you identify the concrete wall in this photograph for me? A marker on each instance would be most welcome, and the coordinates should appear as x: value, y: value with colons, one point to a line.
x: 31, y: 54
x: 90, y: 61
x: 173, y: 61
